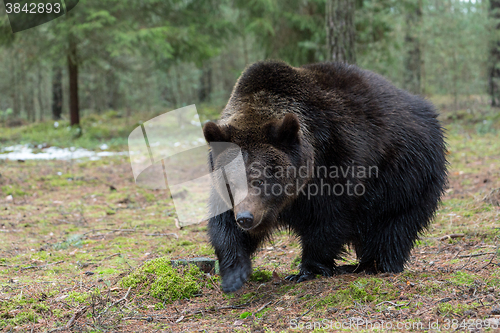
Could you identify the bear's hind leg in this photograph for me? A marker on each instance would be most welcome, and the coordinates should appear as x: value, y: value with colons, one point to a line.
x: 387, y: 248
x: 319, y: 251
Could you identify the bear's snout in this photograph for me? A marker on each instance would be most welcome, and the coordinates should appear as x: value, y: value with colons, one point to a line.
x: 245, y: 220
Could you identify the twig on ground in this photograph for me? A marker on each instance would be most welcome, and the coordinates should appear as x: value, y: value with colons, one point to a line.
x: 164, y: 235
x: 476, y: 255
x: 262, y: 307
x: 452, y: 236
x: 115, y: 303
x: 42, y: 266
x: 393, y: 304
x: 305, y: 313
x: 113, y: 255
x: 71, y: 322
x: 110, y: 230
x: 497, y: 251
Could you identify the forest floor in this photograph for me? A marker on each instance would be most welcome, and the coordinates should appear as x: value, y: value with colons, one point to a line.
x: 71, y: 231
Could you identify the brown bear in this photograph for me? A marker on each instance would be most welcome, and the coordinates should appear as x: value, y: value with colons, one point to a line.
x: 337, y: 155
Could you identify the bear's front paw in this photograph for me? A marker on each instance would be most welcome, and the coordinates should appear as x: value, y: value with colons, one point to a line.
x: 302, y: 276
x: 235, y: 276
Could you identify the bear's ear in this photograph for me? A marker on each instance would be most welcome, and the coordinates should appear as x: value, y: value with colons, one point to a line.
x: 213, y: 133
x: 288, y: 129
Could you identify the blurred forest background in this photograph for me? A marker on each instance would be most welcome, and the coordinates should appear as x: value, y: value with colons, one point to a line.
x: 134, y: 59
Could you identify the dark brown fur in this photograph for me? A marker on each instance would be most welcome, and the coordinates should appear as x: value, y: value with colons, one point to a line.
x: 330, y: 114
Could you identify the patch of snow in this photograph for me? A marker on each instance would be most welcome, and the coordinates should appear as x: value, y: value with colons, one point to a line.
x: 24, y: 152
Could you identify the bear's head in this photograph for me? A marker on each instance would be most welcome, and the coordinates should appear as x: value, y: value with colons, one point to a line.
x: 278, y: 162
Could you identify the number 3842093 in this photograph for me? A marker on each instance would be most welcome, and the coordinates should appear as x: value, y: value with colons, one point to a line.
x: 33, y: 8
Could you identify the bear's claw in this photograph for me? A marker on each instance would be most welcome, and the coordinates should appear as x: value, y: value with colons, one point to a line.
x: 301, y: 277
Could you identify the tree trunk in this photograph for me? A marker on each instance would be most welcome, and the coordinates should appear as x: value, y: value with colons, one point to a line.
x: 413, y: 57
x: 57, y: 94
x: 74, y: 110
x: 205, y: 88
x: 16, y: 96
x: 494, y: 70
x: 40, y: 95
x: 340, y: 30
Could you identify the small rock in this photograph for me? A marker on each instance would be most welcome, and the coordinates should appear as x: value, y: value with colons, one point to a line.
x: 9, y: 198
x: 495, y: 311
x: 491, y: 289
x: 490, y: 298
x: 444, y: 300
x: 238, y: 323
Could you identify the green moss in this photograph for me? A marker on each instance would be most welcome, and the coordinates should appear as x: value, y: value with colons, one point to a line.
x: 205, y: 250
x: 13, y: 190
x: 23, y: 318
x: 78, y: 297
x: 450, y: 310
x: 463, y: 278
x: 296, y: 262
x: 42, y: 255
x: 261, y: 276
x: 107, y: 271
x: 364, y: 290
x: 246, y: 297
x: 245, y: 315
x: 159, y: 279
x: 262, y: 313
x: 40, y: 307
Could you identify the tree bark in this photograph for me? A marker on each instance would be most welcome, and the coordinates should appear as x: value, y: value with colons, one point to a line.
x: 494, y: 66
x: 340, y: 31
x: 57, y: 94
x: 205, y: 88
x: 40, y: 95
x: 74, y: 110
x: 413, y: 57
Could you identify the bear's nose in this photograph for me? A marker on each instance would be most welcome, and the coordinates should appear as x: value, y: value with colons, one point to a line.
x: 245, y: 220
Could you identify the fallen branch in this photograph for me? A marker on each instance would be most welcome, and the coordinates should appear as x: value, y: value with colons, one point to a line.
x: 42, y: 266
x: 115, y: 303
x: 262, y: 307
x: 476, y: 255
x: 110, y: 230
x: 113, y: 255
x: 71, y: 322
x: 452, y: 236
x: 305, y: 313
x: 497, y: 249
x: 163, y: 235
x: 393, y: 304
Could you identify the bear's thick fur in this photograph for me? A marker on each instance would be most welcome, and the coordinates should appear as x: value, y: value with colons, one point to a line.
x: 380, y: 150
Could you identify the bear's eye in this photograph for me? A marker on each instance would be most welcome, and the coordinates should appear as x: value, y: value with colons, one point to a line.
x: 256, y: 182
